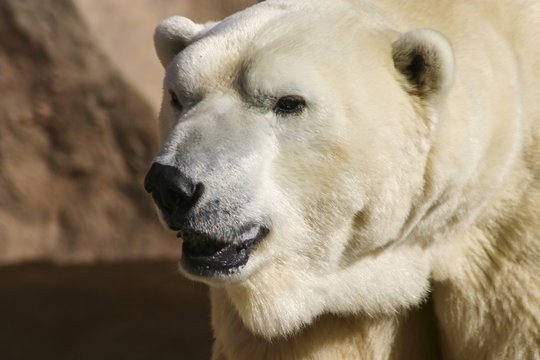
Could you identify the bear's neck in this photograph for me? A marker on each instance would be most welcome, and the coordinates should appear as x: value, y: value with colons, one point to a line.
x: 487, y: 281
x: 409, y: 336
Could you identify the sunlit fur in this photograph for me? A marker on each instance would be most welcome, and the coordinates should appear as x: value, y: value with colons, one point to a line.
x: 391, y: 183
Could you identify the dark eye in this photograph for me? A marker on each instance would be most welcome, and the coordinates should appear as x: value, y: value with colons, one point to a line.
x: 290, y: 104
x: 174, y: 101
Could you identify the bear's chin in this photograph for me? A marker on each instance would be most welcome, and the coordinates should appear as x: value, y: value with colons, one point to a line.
x: 278, y: 302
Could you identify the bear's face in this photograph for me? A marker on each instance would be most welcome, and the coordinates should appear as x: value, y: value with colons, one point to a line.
x: 291, y: 162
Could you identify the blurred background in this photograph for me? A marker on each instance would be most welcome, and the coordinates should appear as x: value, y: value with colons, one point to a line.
x: 86, y: 271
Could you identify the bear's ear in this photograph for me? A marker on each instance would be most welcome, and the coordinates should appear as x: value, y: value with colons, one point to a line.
x: 426, y: 59
x: 172, y: 35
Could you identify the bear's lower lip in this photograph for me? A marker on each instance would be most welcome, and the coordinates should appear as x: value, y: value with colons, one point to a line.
x: 205, y: 256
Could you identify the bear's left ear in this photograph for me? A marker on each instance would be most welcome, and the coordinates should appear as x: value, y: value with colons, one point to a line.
x: 172, y: 35
x: 426, y: 59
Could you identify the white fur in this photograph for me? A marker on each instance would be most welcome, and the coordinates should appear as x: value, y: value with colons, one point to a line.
x: 172, y: 35
x: 390, y: 179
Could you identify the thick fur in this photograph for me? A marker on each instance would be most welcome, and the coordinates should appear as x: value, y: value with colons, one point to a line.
x: 414, y: 167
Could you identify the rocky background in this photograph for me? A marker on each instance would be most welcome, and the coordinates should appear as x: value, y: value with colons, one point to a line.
x: 86, y: 271
x: 79, y: 93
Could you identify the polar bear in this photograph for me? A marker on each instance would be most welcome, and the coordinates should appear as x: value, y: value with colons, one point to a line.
x: 328, y: 165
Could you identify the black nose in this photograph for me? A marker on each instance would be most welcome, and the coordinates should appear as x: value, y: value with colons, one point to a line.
x: 174, y: 193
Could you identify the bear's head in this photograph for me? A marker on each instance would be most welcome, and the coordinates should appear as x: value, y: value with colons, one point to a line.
x: 295, y: 139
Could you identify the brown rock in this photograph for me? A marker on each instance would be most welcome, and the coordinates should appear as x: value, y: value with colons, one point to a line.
x: 75, y: 143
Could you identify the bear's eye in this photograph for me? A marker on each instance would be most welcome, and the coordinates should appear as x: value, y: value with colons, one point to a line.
x: 174, y: 101
x: 290, y: 104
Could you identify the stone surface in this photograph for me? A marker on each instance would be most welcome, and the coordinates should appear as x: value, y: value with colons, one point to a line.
x: 75, y: 143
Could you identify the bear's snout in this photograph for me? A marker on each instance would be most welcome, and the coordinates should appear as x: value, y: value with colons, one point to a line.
x: 173, y: 192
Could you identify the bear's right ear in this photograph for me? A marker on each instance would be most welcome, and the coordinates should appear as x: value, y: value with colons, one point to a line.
x: 172, y: 35
x: 426, y: 59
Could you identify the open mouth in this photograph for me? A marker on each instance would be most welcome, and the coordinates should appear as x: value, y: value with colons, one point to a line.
x: 206, y: 256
